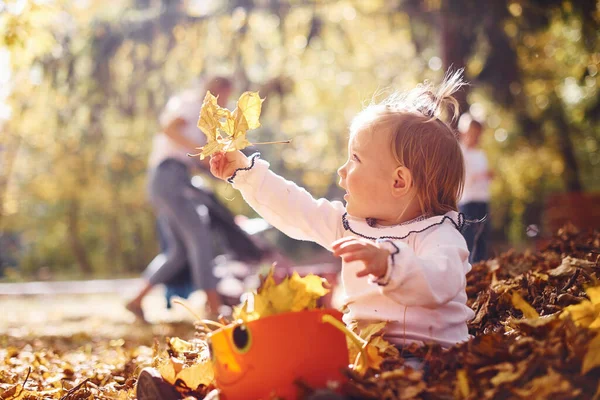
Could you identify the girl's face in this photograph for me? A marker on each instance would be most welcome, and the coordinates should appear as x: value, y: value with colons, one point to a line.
x: 368, y: 176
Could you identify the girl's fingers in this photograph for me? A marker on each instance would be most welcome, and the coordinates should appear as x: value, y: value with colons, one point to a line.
x: 360, y: 255
x: 347, y: 247
x: 341, y: 241
x: 363, y: 272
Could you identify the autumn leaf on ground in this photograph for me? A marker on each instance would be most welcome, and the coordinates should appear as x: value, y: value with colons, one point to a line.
x: 375, y: 346
x: 226, y: 131
x: 179, y: 368
x: 462, y: 389
x: 295, y: 293
x: 592, y: 356
x: 586, y: 313
x: 523, y: 306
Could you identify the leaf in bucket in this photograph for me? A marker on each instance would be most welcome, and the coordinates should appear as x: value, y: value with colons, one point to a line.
x: 294, y: 293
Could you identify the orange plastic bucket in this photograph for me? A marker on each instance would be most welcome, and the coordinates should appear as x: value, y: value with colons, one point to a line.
x: 264, y: 357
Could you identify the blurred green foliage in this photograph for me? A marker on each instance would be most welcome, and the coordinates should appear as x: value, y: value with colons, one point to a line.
x: 87, y: 83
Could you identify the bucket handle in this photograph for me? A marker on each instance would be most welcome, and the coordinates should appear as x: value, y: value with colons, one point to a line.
x: 357, y: 340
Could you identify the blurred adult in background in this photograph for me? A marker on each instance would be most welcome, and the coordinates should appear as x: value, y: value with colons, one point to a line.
x: 476, y: 194
x: 187, y: 215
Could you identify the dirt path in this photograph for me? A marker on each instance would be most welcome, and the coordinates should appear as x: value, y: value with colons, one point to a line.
x: 94, y: 308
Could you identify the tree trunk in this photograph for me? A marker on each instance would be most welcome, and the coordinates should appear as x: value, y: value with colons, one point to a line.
x: 7, y: 161
x: 571, y: 173
x: 75, y: 240
x: 455, y: 49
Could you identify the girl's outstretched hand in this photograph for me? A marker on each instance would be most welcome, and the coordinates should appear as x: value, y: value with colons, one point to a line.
x: 359, y: 249
x: 223, y: 165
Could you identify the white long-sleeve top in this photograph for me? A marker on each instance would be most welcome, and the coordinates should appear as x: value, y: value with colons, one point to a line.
x: 477, y: 182
x: 423, y: 293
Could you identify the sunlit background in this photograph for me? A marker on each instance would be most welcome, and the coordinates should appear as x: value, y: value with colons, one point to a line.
x: 83, y: 81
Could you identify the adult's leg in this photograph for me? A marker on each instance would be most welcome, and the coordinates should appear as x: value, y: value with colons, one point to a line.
x: 469, y: 230
x: 482, y: 233
x: 192, y: 222
x: 168, y: 178
x: 163, y: 267
x: 476, y: 233
x: 189, y: 220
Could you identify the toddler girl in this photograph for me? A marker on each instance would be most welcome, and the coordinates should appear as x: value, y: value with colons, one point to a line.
x: 404, y: 258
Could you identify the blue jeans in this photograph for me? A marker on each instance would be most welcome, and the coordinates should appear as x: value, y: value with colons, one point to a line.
x: 476, y: 234
x: 184, y: 222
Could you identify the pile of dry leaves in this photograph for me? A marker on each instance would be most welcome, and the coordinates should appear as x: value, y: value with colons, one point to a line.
x: 536, y: 334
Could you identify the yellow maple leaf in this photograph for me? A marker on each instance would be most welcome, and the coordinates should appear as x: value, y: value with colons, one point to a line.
x: 294, y: 293
x: 225, y: 130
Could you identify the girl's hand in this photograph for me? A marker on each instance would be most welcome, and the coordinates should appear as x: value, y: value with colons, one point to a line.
x: 359, y: 249
x: 223, y: 165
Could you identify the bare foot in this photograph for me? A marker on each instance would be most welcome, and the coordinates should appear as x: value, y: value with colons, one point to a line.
x: 136, y: 309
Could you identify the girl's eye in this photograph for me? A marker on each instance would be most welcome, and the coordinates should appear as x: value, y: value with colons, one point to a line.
x: 354, y: 156
x: 241, y: 338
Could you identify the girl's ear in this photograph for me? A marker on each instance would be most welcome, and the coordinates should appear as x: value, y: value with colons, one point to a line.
x: 403, y: 182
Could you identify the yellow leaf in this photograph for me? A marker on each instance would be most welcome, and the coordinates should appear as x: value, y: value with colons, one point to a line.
x: 374, y: 358
x: 586, y: 313
x: 371, y: 330
x: 180, y: 345
x: 594, y: 294
x: 250, y: 105
x: 376, y: 347
x: 234, y: 125
x: 523, y: 306
x: 462, y: 382
x: 210, y: 113
x: 592, y: 356
x: 209, y: 149
x: 167, y: 371
x: 198, y: 374
x: 294, y: 293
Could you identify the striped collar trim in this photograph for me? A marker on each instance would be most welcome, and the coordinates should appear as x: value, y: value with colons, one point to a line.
x: 420, y: 225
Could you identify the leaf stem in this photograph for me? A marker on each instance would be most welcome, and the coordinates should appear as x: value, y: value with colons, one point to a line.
x: 358, y: 341
x: 277, y: 142
x: 205, y: 322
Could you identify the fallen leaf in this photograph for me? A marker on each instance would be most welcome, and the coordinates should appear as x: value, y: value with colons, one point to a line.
x: 462, y: 383
x: 592, y: 356
x: 523, y: 306
x: 196, y: 375
x: 586, y: 313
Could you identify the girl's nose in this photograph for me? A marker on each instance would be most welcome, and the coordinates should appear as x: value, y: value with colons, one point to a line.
x: 342, y: 171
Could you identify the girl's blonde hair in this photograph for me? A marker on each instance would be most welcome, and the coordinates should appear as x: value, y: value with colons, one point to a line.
x: 422, y: 141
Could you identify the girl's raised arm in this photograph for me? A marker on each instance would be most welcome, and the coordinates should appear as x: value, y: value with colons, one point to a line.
x: 286, y: 206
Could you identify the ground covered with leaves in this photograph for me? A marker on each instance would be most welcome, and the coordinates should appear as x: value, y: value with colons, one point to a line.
x: 536, y: 334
